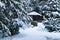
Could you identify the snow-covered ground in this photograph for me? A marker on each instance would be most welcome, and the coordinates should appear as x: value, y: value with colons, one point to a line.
x: 35, y: 33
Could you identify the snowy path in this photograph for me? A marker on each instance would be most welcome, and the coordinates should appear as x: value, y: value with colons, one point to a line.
x: 36, y: 33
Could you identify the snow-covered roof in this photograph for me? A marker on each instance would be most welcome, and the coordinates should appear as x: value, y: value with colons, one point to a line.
x: 33, y: 13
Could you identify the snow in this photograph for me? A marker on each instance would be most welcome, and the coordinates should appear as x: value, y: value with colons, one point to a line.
x: 33, y: 13
x: 35, y: 33
x: 20, y: 22
x: 2, y: 4
x: 16, y: 2
x: 55, y: 12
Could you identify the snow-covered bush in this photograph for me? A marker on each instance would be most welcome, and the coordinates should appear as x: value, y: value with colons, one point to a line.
x: 53, y: 24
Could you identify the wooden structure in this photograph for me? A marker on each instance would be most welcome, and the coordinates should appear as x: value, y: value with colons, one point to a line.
x: 36, y: 17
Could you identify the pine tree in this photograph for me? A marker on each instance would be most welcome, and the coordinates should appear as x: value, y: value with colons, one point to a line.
x: 10, y: 10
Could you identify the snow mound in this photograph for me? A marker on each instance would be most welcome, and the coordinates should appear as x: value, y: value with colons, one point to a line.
x: 34, y: 34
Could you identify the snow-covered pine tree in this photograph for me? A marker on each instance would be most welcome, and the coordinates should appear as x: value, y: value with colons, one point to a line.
x: 53, y: 24
x: 7, y: 13
x: 11, y: 10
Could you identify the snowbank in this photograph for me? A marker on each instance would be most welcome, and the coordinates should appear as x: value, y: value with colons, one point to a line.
x: 35, y: 34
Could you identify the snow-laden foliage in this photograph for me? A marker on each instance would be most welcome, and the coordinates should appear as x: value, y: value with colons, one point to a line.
x: 12, y: 13
x: 52, y: 24
x: 50, y: 11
